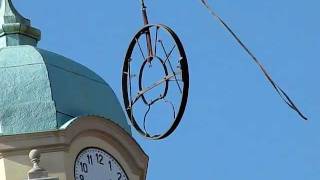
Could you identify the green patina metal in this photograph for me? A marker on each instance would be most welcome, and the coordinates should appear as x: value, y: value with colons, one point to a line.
x: 41, y: 90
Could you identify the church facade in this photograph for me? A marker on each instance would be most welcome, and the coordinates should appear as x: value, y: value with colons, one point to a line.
x: 65, y: 114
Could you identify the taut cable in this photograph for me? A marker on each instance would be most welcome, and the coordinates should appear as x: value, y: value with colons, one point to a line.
x: 278, y: 89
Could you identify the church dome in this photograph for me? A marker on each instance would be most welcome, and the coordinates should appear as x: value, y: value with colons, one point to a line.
x: 42, y: 91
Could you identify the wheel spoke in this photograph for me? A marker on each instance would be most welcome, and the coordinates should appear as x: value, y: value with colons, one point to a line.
x: 130, y: 87
x: 142, y: 54
x: 168, y: 55
x: 173, y: 108
x: 143, y: 91
x: 168, y: 60
x: 145, y: 119
x: 156, y: 42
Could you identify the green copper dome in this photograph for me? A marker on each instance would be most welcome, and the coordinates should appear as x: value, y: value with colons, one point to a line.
x: 40, y: 90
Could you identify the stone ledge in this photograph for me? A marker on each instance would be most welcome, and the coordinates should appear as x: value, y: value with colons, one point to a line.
x: 48, y: 178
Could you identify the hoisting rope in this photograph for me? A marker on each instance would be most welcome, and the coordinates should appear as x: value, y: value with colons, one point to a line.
x: 278, y: 89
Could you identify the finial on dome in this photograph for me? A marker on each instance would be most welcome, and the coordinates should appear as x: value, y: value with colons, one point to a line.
x: 14, y: 28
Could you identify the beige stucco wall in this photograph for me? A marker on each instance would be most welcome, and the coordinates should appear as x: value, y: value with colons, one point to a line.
x: 2, y: 170
x: 17, y: 166
x: 59, y: 150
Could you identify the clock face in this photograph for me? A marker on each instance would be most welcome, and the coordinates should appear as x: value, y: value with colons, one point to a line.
x: 97, y: 164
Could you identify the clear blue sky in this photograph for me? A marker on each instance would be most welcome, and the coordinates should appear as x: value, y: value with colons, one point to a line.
x: 235, y: 126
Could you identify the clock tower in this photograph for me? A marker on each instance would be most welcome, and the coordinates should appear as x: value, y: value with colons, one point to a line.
x: 66, y: 112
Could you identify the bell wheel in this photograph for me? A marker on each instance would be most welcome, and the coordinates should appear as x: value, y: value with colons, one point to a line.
x: 155, y: 81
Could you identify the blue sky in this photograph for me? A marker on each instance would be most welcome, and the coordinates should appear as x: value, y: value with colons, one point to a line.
x: 235, y: 125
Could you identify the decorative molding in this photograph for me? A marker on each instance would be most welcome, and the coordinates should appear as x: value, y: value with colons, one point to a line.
x: 61, y: 140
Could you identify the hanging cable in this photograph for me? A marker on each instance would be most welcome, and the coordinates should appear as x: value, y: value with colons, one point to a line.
x: 278, y: 89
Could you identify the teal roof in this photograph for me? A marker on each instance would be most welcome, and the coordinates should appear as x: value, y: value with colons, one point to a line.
x: 41, y: 91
